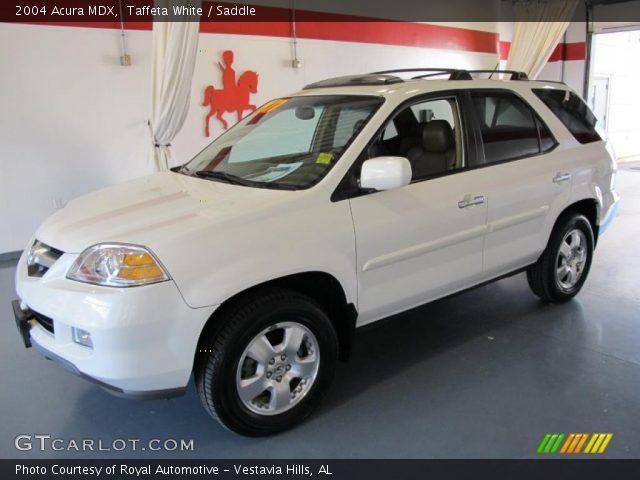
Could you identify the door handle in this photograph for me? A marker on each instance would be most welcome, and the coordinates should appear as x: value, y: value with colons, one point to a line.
x: 561, y: 177
x: 467, y: 201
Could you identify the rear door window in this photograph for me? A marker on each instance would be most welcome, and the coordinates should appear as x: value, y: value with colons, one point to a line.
x: 508, y: 126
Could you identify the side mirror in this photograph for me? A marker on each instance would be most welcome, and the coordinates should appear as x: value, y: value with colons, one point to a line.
x: 385, y: 173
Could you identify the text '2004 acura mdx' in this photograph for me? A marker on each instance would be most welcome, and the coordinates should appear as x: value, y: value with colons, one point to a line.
x: 355, y: 199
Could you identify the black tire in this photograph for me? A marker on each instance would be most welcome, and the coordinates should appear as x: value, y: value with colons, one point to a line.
x: 223, y: 347
x: 542, y: 276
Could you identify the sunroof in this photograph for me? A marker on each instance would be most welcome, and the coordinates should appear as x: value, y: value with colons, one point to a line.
x: 354, y: 80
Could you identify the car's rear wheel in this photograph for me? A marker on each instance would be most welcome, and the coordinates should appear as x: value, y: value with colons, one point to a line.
x: 562, y: 269
x: 268, y: 364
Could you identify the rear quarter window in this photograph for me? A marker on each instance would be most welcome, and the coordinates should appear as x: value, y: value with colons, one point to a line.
x: 572, y: 112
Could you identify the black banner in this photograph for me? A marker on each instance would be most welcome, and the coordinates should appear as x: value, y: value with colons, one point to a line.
x: 328, y: 469
x: 141, y: 11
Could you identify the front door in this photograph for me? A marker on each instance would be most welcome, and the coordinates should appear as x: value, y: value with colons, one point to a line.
x: 425, y: 240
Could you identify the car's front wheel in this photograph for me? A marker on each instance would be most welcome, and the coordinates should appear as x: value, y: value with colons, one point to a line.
x: 562, y: 269
x: 268, y: 363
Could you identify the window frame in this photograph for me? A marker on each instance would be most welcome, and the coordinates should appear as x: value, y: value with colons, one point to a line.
x: 539, y: 122
x: 345, y: 190
x: 539, y: 125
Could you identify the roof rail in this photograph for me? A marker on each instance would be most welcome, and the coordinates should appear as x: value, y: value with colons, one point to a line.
x: 384, y: 77
x: 559, y: 82
x: 515, y: 75
x: 454, y: 73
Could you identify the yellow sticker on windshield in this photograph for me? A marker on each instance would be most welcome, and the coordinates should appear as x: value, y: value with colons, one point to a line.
x: 324, y: 158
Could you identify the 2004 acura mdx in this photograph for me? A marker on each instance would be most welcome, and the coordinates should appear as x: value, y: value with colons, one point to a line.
x: 357, y: 198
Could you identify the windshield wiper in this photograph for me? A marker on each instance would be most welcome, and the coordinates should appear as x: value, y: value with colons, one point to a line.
x: 236, y: 180
x: 282, y: 186
x: 227, y: 177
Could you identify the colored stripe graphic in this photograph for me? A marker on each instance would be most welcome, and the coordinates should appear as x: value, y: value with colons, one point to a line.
x: 555, y: 447
x: 543, y: 443
x: 581, y: 443
x: 563, y: 52
x: 550, y: 443
x: 605, y: 444
x: 574, y: 444
x: 597, y: 443
x: 567, y: 443
x: 337, y: 27
x: 591, y: 442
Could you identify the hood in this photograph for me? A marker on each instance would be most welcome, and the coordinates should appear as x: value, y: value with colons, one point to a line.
x: 152, y: 210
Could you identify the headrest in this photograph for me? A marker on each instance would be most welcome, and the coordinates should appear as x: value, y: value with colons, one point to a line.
x: 376, y: 150
x: 437, y: 136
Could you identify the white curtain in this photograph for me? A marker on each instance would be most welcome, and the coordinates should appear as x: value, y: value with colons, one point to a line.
x: 173, y: 58
x: 538, y: 29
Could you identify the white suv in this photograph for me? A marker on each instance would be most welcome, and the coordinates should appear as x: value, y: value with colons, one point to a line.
x: 352, y: 200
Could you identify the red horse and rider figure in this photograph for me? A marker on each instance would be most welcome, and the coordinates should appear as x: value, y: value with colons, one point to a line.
x: 233, y: 97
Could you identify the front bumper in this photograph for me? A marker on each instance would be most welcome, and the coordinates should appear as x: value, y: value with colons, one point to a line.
x: 144, y: 338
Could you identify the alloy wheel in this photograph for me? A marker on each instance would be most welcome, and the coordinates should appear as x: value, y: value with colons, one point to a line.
x: 278, y: 368
x: 571, y: 259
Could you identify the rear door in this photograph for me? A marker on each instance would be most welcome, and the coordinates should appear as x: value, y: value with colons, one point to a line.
x: 527, y: 181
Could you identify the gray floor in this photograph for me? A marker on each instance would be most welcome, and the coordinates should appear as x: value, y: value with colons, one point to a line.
x: 483, y: 374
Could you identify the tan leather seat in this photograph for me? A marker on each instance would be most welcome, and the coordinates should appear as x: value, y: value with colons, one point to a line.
x: 437, y: 152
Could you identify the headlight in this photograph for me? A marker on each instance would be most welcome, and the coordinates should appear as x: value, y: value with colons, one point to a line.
x: 117, y: 266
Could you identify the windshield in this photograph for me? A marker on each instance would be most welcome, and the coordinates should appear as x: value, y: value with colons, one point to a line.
x: 288, y: 143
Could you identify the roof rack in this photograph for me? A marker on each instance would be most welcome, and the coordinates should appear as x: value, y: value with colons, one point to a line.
x: 454, y: 73
x: 559, y: 82
x: 384, y: 77
x: 515, y: 75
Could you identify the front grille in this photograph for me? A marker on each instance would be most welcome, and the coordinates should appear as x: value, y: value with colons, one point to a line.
x: 41, y: 258
x: 46, y: 322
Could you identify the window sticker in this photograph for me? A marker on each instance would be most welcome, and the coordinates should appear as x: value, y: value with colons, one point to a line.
x: 276, y: 173
x: 324, y: 158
